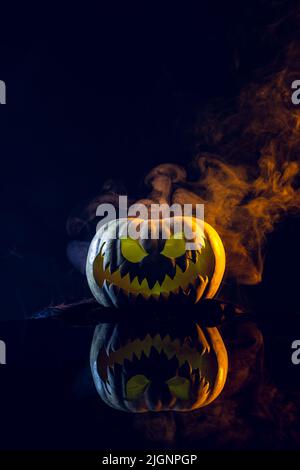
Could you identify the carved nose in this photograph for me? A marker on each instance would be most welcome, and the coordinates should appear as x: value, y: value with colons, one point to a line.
x: 158, y: 395
x: 155, y: 267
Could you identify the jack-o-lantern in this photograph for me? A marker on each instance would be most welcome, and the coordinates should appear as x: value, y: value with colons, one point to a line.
x: 175, y: 366
x: 121, y: 269
x: 154, y: 354
x: 140, y: 364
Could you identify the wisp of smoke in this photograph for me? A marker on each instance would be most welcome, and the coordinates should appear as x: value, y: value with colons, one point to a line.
x: 249, y: 182
x: 241, y: 206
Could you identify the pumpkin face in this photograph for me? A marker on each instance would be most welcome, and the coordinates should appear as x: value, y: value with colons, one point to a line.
x: 177, y: 367
x: 122, y: 270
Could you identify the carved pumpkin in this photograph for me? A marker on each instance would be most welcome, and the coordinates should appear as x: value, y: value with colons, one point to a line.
x: 122, y: 269
x: 178, y: 366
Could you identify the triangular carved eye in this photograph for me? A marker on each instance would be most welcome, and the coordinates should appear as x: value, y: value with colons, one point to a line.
x: 174, y: 246
x: 132, y: 250
x: 135, y: 386
x: 179, y: 387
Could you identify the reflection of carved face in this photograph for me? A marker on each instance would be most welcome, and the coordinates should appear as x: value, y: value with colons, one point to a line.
x: 126, y: 269
x: 180, y: 367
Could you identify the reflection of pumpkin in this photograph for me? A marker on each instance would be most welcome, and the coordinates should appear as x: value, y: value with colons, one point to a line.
x: 123, y: 269
x: 176, y: 367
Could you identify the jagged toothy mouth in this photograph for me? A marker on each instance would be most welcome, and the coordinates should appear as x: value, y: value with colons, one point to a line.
x: 186, y: 354
x: 189, y: 280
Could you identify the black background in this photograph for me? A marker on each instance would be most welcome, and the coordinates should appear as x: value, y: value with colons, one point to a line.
x: 94, y: 95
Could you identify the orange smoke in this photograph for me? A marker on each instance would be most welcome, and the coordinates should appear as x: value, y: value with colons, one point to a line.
x: 250, y: 181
